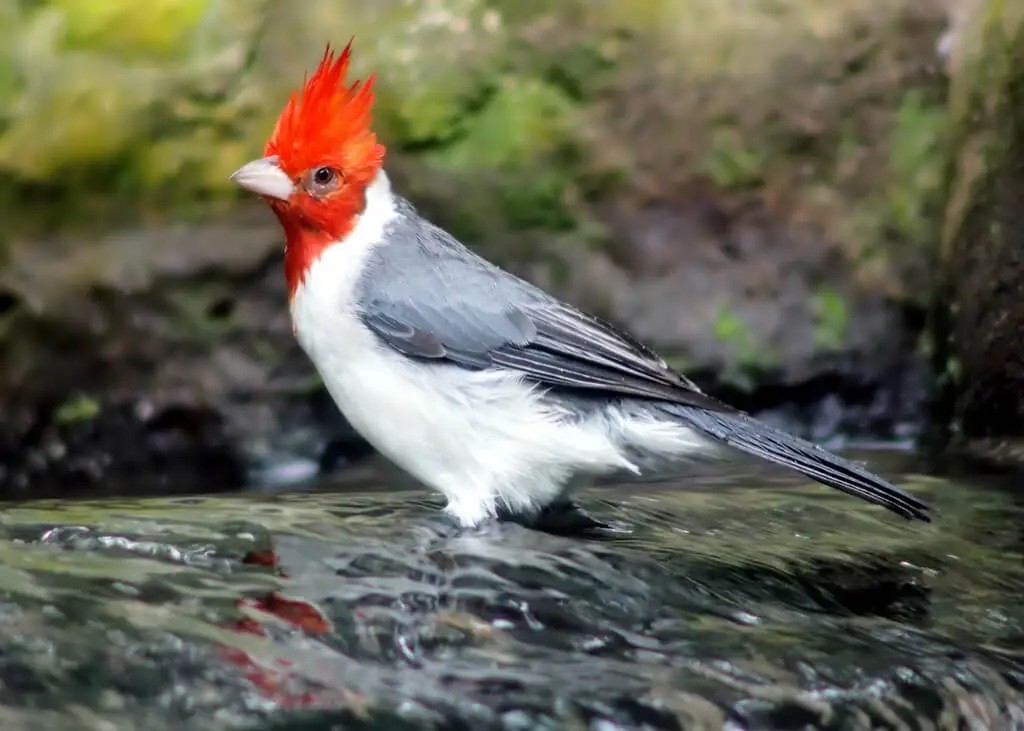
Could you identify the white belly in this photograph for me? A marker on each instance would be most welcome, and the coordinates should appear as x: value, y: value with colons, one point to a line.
x: 485, y: 439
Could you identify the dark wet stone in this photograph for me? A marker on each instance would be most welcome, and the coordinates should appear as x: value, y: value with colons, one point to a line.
x: 120, y: 450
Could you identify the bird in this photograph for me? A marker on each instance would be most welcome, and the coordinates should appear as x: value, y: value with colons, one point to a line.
x: 474, y: 381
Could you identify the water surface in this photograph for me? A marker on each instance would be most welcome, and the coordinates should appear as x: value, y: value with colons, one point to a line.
x: 753, y: 601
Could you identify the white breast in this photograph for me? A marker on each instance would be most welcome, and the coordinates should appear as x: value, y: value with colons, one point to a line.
x: 483, y: 438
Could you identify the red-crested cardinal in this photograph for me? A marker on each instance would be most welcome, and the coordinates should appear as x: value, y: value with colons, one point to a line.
x: 474, y: 381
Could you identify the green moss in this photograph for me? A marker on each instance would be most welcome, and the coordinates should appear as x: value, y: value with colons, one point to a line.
x: 831, y: 319
x: 521, y: 120
x: 986, y: 128
x: 750, y: 360
x: 76, y: 410
x: 895, y: 225
x: 732, y: 163
x: 677, y: 360
x: 111, y: 108
x: 730, y: 329
x: 516, y: 138
x: 976, y: 316
x: 917, y: 159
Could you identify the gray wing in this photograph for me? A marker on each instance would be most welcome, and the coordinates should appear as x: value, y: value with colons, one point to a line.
x: 431, y: 299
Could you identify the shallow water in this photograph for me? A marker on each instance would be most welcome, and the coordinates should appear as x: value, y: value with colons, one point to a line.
x: 753, y: 601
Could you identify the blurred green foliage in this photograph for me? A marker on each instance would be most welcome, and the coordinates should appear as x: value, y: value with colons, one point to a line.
x: 120, y: 103
x: 731, y: 163
x: 77, y: 409
x: 747, y: 358
x: 831, y: 319
x: 154, y: 28
x: 917, y: 162
x: 501, y: 116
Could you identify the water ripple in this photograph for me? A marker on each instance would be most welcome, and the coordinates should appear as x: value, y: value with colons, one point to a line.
x: 721, y: 606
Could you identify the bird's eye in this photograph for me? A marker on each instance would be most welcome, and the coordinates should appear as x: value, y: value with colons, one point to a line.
x: 323, y: 176
x: 322, y: 180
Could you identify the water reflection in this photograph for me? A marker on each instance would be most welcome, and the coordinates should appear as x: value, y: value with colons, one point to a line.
x: 723, y: 605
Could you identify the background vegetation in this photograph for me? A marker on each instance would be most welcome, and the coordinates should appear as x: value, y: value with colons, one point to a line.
x: 760, y: 189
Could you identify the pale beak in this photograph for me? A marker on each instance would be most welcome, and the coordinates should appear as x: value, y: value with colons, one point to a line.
x: 264, y: 177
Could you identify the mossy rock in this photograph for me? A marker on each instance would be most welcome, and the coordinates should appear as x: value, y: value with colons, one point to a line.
x: 659, y: 163
x: 979, y: 315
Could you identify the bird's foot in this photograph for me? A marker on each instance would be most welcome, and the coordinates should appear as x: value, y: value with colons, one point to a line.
x: 566, y: 518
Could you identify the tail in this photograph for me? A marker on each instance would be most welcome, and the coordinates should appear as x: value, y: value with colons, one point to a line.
x: 749, y: 435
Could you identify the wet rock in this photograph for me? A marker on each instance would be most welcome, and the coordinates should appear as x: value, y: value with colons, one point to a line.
x: 119, y: 450
x: 979, y: 318
x: 745, y: 599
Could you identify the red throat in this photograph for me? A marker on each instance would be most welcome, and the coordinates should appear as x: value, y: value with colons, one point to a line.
x: 325, y: 124
x: 303, y: 246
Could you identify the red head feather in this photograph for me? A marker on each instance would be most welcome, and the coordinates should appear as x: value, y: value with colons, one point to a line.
x: 326, y: 124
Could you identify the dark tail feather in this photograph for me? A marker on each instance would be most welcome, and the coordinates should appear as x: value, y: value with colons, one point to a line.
x: 748, y: 435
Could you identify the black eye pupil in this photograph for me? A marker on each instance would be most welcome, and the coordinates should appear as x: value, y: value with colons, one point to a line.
x: 323, y: 176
